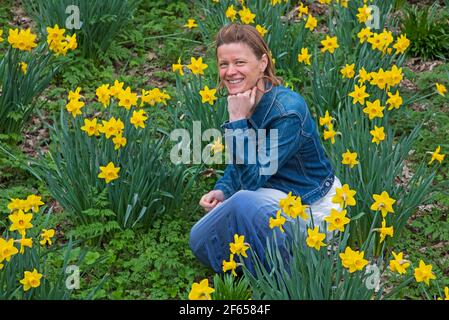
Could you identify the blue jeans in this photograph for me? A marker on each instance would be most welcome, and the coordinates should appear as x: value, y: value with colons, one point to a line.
x: 248, y: 213
x: 244, y: 213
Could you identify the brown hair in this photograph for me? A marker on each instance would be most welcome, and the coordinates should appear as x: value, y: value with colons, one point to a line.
x: 235, y: 32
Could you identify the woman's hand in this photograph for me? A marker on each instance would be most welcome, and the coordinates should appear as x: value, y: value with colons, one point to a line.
x: 241, y: 105
x: 211, y: 199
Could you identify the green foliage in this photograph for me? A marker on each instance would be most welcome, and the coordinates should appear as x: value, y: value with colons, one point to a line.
x: 53, y: 283
x: 18, y: 90
x: 227, y: 287
x: 155, y: 264
x: 146, y: 177
x: 378, y: 170
x: 101, y: 223
x: 101, y: 20
x: 428, y: 31
x: 435, y: 225
x: 309, y: 274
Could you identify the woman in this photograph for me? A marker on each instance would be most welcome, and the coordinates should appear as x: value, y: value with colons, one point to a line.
x: 246, y: 196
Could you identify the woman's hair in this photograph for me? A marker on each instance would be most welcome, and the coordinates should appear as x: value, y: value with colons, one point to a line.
x: 235, y: 33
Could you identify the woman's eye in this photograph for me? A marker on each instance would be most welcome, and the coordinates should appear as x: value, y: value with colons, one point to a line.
x: 239, y: 63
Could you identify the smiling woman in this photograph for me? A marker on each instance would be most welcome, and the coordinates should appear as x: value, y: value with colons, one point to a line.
x: 247, y: 196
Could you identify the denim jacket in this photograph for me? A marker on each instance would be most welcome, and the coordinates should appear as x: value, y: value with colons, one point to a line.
x: 296, y: 154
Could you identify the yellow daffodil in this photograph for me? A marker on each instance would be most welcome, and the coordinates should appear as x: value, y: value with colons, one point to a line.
x: 304, y: 56
x: 278, y: 221
x: 364, y: 34
x: 231, y: 14
x: 74, y: 107
x: 344, y: 196
x: 239, y: 246
x: 329, y: 44
x: 311, y: 23
x: 154, y: 96
x: 262, y: 31
x: 46, y: 236
x: 330, y: 133
x: 374, y: 109
x: 359, y: 95
x: 292, y: 206
x: 191, y: 23
x: 138, y: 119
x: 91, y: 127
x: 384, y: 231
x: 379, y: 79
x: 24, y: 242
x: 127, y: 99
x: 398, y: 264
x: 378, y: 134
x: 315, y: 238
x: 383, y: 203
x: 217, y: 146
x: 394, y: 76
x: 55, y: 35
x: 33, y: 203
x: 20, y: 221
x: 31, y: 280
x: 109, y: 172
x: 230, y: 265
x: 119, y: 142
x: 16, y: 205
x: 113, y: 127
x: 348, y: 71
x: 402, y: 43
x: 394, y: 100
x: 7, y: 249
x: 441, y: 89
x: 326, y: 120
x: 116, y: 88
x: 436, y: 155
x: 349, y: 158
x: 302, y: 10
x: 364, y: 14
x: 424, y: 273
x: 337, y: 220
x: 246, y: 16
x: 197, y: 66
x: 23, y: 40
x: 353, y: 260
x: 23, y: 67
x: 201, y: 291
x: 178, y: 67
x: 208, y: 95
x: 363, y: 76
x: 103, y: 94
x: 343, y: 3
x: 75, y: 95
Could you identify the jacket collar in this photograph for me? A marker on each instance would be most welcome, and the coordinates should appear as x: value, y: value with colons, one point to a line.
x: 264, y: 106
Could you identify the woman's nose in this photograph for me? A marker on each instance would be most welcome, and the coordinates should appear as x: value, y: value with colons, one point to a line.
x: 231, y: 70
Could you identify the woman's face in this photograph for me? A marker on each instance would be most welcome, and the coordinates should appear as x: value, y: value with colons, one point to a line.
x: 239, y: 67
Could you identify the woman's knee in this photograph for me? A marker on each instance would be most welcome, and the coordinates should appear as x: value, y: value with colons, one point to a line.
x: 244, y: 201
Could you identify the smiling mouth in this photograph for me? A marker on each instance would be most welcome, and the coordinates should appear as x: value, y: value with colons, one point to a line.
x: 236, y: 81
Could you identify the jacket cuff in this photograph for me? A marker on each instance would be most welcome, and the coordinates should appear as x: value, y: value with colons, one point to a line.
x: 226, y: 190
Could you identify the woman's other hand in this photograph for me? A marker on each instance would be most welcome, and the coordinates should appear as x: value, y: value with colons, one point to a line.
x: 241, y: 105
x: 211, y: 199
